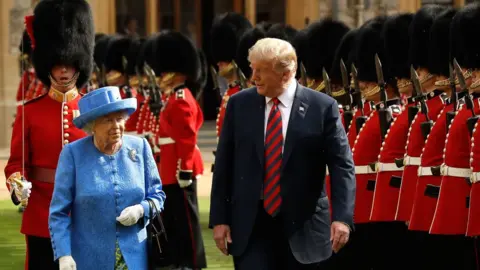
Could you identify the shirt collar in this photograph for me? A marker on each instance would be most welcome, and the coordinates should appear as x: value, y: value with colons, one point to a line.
x: 63, y: 97
x: 286, y: 98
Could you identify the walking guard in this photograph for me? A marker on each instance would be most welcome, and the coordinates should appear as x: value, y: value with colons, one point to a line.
x: 181, y: 165
x: 38, y: 138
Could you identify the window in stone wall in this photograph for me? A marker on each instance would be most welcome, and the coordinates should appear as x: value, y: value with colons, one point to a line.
x: 438, y: 2
x: 271, y: 10
x: 130, y: 17
x: 166, y: 14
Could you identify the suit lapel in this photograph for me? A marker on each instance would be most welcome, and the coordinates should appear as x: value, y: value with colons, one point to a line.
x: 299, y: 110
x: 258, y: 120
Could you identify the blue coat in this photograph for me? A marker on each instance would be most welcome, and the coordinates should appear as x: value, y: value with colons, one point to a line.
x: 94, y: 188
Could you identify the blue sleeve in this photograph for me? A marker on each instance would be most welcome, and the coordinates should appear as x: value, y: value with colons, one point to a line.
x: 59, y: 220
x: 153, y: 183
x: 341, y: 167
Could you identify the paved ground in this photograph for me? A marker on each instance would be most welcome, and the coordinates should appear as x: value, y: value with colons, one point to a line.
x: 206, y: 143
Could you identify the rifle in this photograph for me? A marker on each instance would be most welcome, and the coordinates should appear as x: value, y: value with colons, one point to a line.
x: 383, y: 113
x: 426, y: 126
x: 216, y: 88
x: 103, y: 76
x: 348, y: 112
x: 359, y: 121
x: 326, y: 80
x: 155, y: 98
x: 141, y: 86
x: 127, y: 89
x: 468, y: 98
x: 453, y: 98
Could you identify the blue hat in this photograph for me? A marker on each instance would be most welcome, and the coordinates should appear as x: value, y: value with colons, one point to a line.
x: 100, y: 102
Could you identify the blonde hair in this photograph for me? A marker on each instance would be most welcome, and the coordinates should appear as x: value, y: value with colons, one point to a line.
x: 279, y: 52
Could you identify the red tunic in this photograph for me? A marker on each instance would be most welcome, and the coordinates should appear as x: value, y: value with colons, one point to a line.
x: 365, y: 152
x: 131, y: 124
x: 385, y: 196
x: 142, y: 115
x: 180, y: 121
x: 432, y: 155
x: 451, y: 213
x: 48, y: 126
x: 473, y: 225
x: 414, y: 147
x: 223, y: 106
x: 352, y: 132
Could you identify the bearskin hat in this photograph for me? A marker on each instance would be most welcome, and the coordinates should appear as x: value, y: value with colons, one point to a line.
x: 420, y: 34
x: 118, y: 47
x: 100, y: 51
x: 196, y: 87
x: 323, y: 38
x: 226, y: 31
x: 264, y: 25
x: 439, y: 48
x: 397, y: 42
x: 63, y: 33
x: 249, y: 38
x: 131, y: 55
x: 175, y: 52
x: 282, y: 31
x: 463, y: 36
x: 346, y: 52
x: 368, y: 43
x: 25, y: 46
x: 146, y: 54
x: 300, y: 43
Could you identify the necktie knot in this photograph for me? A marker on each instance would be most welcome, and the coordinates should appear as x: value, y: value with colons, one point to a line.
x: 275, y: 101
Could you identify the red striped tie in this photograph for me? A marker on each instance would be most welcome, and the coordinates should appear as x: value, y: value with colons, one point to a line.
x: 273, y: 160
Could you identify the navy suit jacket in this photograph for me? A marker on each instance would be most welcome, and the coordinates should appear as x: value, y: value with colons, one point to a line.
x: 315, y: 139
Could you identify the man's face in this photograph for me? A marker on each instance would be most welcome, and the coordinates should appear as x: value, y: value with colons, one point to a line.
x: 269, y: 82
x: 63, y: 73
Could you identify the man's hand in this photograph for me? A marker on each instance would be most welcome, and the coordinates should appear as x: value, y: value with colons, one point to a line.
x: 221, y: 235
x: 340, y: 233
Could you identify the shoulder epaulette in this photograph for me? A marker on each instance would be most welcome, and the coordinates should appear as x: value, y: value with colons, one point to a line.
x: 180, y: 94
x: 35, y: 99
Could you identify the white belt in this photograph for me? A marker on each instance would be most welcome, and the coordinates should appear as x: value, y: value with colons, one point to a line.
x: 387, y: 167
x: 166, y: 140
x: 425, y: 171
x: 456, y: 172
x: 475, y: 177
x: 411, y: 161
x: 363, y: 169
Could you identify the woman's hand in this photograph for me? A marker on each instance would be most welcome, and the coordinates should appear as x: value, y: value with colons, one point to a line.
x: 67, y: 263
x: 131, y: 215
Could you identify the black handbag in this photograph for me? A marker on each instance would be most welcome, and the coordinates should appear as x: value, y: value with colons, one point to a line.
x: 159, y: 254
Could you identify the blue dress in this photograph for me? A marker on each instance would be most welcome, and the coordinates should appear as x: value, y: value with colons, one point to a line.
x: 91, y: 190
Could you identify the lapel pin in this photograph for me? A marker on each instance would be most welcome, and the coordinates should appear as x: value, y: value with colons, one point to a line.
x: 133, y: 154
x: 302, y: 109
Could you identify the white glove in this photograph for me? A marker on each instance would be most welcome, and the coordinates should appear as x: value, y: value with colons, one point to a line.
x: 22, y: 192
x: 131, y: 215
x: 184, y: 183
x: 67, y: 263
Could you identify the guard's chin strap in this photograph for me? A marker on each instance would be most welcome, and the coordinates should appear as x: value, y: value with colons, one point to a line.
x: 57, y: 84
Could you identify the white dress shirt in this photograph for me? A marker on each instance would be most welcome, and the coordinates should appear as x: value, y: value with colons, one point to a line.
x: 285, y: 107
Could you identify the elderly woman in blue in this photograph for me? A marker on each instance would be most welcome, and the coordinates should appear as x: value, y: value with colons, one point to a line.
x: 103, y: 182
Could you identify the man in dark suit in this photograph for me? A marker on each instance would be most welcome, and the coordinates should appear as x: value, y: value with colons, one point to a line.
x: 269, y: 207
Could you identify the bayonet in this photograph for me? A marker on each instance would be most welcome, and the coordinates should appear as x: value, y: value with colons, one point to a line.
x: 383, y: 113
x: 426, y: 126
x: 359, y: 121
x: 303, y: 75
x: 326, y: 81
x: 348, y: 113
x: 241, y: 77
x: 453, y: 97
x: 216, y: 87
x: 468, y: 99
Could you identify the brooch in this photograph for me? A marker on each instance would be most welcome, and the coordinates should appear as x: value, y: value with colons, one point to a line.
x: 133, y: 154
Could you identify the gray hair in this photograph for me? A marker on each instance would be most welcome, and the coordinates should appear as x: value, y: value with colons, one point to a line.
x: 88, y: 128
x: 280, y: 52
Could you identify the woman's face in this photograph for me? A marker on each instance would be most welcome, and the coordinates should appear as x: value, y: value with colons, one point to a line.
x: 109, y: 129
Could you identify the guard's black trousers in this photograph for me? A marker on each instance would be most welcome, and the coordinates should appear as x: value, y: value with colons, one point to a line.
x: 39, y: 254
